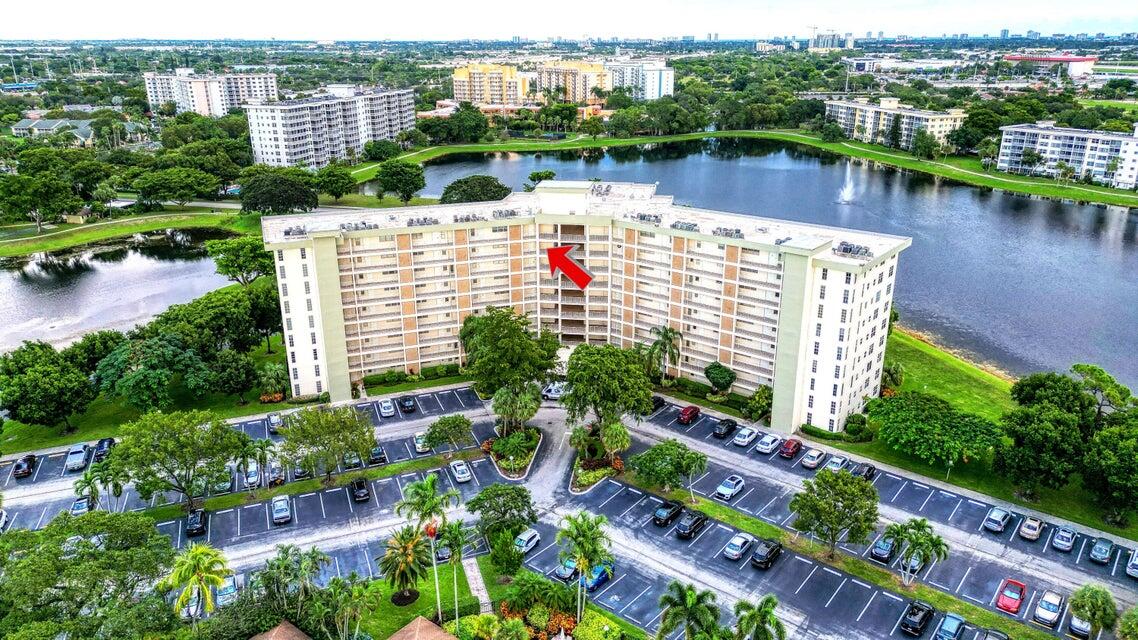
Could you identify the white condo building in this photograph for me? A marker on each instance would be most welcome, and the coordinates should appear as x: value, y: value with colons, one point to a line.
x: 645, y: 79
x: 208, y: 95
x: 314, y: 131
x: 799, y: 307
x: 868, y: 122
x: 1109, y: 156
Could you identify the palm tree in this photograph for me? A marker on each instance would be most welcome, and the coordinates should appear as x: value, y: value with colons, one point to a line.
x: 423, y: 503
x: 666, y: 345
x: 453, y: 536
x: 685, y: 607
x: 198, y: 569
x: 615, y: 438
x: 922, y: 545
x: 347, y: 600
x: 758, y: 621
x: 893, y: 375
x: 588, y: 546
x: 88, y: 485
x: 273, y: 376
x: 579, y: 439
x: 308, y: 566
x: 404, y: 562
x: 244, y: 452
x: 263, y: 448
x: 113, y: 479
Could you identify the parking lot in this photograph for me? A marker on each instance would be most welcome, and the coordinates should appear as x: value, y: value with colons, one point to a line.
x: 769, y: 500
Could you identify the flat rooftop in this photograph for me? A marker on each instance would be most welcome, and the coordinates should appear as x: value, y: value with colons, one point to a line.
x: 632, y: 203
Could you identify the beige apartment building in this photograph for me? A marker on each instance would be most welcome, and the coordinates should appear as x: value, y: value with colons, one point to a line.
x: 490, y: 84
x: 868, y: 122
x: 575, y: 79
x: 802, y: 308
x: 208, y: 95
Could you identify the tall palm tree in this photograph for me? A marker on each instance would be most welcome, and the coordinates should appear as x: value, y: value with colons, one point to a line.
x: 688, y: 609
x: 587, y: 545
x: 113, y: 479
x: 922, y: 545
x: 579, y: 439
x: 197, y: 570
x: 423, y: 503
x: 758, y: 621
x: 243, y: 452
x: 666, y: 345
x: 404, y: 562
x: 88, y: 485
x: 453, y: 536
x: 263, y: 448
x: 308, y: 566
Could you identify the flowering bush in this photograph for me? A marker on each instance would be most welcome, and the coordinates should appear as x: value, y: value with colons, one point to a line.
x: 618, y: 464
x: 268, y: 398
x: 487, y: 445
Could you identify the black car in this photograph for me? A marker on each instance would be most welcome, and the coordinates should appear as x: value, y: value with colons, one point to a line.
x: 406, y: 404
x: 691, y: 524
x: 196, y: 522
x: 724, y: 428
x: 103, y: 449
x: 992, y: 634
x: 917, y: 618
x: 658, y: 403
x: 884, y: 550
x: 442, y: 553
x: 300, y: 473
x: 360, y: 490
x: 377, y: 456
x: 666, y: 513
x: 864, y: 470
x: 765, y: 553
x: 25, y: 466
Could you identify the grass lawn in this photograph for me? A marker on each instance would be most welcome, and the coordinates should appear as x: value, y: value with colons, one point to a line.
x: 371, y: 202
x: 104, y: 416
x: 382, y: 390
x: 1127, y: 105
x: 75, y: 235
x: 932, y: 370
x: 387, y: 618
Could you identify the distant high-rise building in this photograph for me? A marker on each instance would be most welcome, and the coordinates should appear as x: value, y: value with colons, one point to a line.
x: 880, y: 35
x: 644, y: 79
x: 868, y: 35
x: 1033, y: 35
x: 687, y: 38
x: 208, y: 95
x: 489, y: 84
x: 709, y: 36
x: 1003, y: 34
x: 575, y: 79
x: 825, y: 41
x: 871, y: 122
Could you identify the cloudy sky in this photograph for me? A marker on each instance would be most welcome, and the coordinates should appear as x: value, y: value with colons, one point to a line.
x: 451, y: 19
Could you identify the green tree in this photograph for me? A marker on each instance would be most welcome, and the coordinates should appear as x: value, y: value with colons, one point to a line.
x: 666, y: 346
x: 691, y: 464
x: 833, y: 504
x: 178, y: 185
x: 144, y: 371
x: 920, y: 544
x: 39, y: 198
x: 1044, y: 450
x: 112, y: 478
x: 403, y: 179
x: 1110, y: 468
x: 615, y: 438
x: 988, y: 150
x: 685, y: 607
x: 1031, y: 159
x: 579, y: 439
x: 515, y: 407
x: 174, y: 452
x: 1093, y: 603
x: 318, y: 440
x: 453, y: 429
x: 1128, y: 625
x: 234, y: 373
x: 423, y: 503
x: 1060, y: 391
x: 91, y: 348
x: 894, y: 135
x: 758, y: 621
x: 925, y: 144
x: 536, y: 177
x: 833, y: 132
x: 592, y: 126
x: 893, y: 375
x: 929, y: 428
x: 760, y: 403
x: 380, y: 150
x: 662, y: 465
x: 720, y: 376
x: 606, y: 380
x: 411, y: 138
x: 404, y: 561
x: 87, y: 485
x: 273, y: 378
x: 265, y: 311
x: 198, y: 570
x: 87, y: 575
x: 335, y: 180
x: 1107, y: 392
x: 476, y: 188
x: 221, y: 319
x: 242, y: 259
x: 501, y: 351
x: 40, y: 386
x: 277, y: 191
x: 583, y: 540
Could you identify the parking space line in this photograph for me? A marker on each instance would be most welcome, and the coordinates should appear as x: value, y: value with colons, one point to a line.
x: 39, y: 465
x: 1081, y: 547
x: 866, y: 607
x: 611, y: 497
x: 927, y: 498
x: 705, y: 530
x: 611, y: 585
x: 1116, y: 559
x: 806, y: 580
x: 958, y: 503
x: 40, y: 521
x: 458, y: 397
x: 962, y: 579
x: 739, y: 503
x: 835, y: 594
x: 11, y: 470
x: 1030, y: 601
x: 634, y: 505
x: 899, y: 490
x: 978, y: 504
x: 635, y: 599
x: 898, y: 623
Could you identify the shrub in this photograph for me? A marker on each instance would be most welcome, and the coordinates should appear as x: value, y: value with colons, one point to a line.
x: 692, y: 388
x: 467, y: 607
x: 269, y: 398
x: 720, y: 376
x: 465, y: 630
x: 821, y: 434
x: 587, y: 478
x: 306, y: 399
x: 506, y: 558
x: 394, y: 376
x: 452, y: 369
x: 538, y: 616
x: 594, y: 626
x: 856, y: 426
x: 759, y: 404
x: 526, y: 590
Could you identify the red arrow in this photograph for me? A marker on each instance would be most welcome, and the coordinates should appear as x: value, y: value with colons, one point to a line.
x: 559, y: 260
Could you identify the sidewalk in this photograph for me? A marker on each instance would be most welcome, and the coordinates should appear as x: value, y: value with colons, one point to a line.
x: 477, y: 586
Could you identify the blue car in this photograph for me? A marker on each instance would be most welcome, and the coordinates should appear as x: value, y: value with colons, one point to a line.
x: 598, y: 575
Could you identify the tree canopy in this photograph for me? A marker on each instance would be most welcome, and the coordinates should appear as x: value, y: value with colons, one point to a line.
x: 335, y: 180
x: 503, y: 509
x: 318, y: 440
x: 502, y: 350
x: 40, y: 386
x: 608, y: 381
x: 275, y: 190
x: 404, y: 179
x: 931, y: 429
x: 834, y: 504
x: 476, y: 188
x: 242, y: 259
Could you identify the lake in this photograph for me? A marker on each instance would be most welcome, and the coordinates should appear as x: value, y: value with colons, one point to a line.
x: 60, y: 296
x: 1024, y: 284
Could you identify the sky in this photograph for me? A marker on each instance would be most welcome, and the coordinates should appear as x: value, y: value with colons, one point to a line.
x: 454, y: 19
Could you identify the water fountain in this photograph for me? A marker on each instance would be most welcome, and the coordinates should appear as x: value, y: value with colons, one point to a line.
x: 846, y: 194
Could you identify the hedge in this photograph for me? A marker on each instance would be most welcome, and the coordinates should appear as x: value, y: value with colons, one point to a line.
x: 394, y: 376
x: 467, y: 606
x: 839, y: 436
x: 693, y: 388
x: 438, y: 371
x: 309, y: 398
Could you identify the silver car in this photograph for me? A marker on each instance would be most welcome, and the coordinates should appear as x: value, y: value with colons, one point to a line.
x: 738, y: 546
x: 768, y: 444
x: 461, y: 471
x: 252, y: 475
x: 1064, y: 539
x: 76, y: 458
x: 1049, y: 609
x: 227, y: 592
x: 386, y: 409
x: 282, y: 510
x: 836, y: 463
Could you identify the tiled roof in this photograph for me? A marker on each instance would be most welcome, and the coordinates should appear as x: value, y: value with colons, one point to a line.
x: 421, y: 629
x: 283, y: 631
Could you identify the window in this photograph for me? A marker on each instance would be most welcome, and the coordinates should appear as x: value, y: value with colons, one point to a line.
x: 818, y: 330
x: 317, y: 369
x: 849, y: 278
x: 819, y: 311
x: 843, y: 315
x: 302, y: 253
x: 831, y: 419
x: 307, y: 288
x: 304, y: 270
x: 320, y: 387
x: 838, y: 371
x: 822, y: 292
x: 809, y: 417
x: 845, y: 294
x: 296, y: 389
x: 292, y: 357
x: 839, y: 354
x: 280, y: 254
x: 890, y: 271
x: 290, y: 342
x: 295, y: 374
x: 311, y: 323
x: 835, y: 390
x: 810, y: 402
x: 288, y: 323
x: 825, y: 272
x: 833, y: 407
x: 314, y: 355
x: 282, y: 271
x: 811, y: 384
x: 841, y: 334
x: 286, y: 306
x: 816, y: 347
x: 284, y: 289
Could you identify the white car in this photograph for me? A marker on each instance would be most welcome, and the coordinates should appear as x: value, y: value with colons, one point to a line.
x: 76, y: 458
x: 837, y: 463
x: 252, y: 475
x: 386, y: 409
x: 282, y: 510
x: 274, y: 422
x: 421, y: 443
x: 745, y: 437
x: 812, y: 459
x: 768, y: 444
x: 4, y: 520
x: 553, y: 391
x: 227, y: 591
x: 730, y: 487
x: 461, y: 471
x: 526, y: 541
x: 738, y: 546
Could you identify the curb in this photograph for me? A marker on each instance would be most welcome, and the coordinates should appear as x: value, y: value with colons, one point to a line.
x: 540, y: 439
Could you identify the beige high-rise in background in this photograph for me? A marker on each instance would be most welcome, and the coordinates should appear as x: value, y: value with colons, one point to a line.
x: 489, y: 84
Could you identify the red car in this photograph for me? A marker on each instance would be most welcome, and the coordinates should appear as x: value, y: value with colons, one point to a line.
x: 689, y: 414
x: 1011, y: 596
x: 790, y: 448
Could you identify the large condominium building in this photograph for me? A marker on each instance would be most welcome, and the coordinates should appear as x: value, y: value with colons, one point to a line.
x: 800, y: 307
x: 1074, y: 66
x: 314, y: 131
x: 574, y: 79
x: 1109, y: 157
x: 862, y: 120
x: 644, y: 79
x: 208, y: 95
x: 490, y: 84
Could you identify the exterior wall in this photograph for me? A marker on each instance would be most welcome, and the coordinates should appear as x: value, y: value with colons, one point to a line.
x: 575, y: 79
x: 212, y: 95
x: 489, y: 84
x: 871, y: 123
x: 647, y: 80
x: 1110, y: 157
x: 395, y: 297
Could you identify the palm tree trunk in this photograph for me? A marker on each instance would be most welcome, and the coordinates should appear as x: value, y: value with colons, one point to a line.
x: 438, y: 594
x: 454, y: 578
